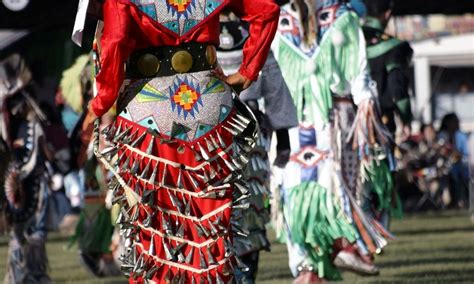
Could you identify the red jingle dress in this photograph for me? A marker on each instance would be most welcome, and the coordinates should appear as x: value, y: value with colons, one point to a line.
x: 179, y: 141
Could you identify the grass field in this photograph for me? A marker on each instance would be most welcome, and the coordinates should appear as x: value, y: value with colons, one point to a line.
x: 430, y: 248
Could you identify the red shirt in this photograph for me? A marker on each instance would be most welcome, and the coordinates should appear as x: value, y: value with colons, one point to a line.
x: 127, y: 28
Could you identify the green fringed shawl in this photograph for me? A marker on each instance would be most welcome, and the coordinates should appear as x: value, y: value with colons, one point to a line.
x: 315, y: 222
x: 380, y: 181
x: 334, y: 66
x: 94, y: 236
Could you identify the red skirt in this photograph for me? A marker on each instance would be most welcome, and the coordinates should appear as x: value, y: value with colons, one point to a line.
x: 177, y: 198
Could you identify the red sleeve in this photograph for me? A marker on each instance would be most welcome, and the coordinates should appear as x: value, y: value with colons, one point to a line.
x: 262, y: 15
x: 116, y: 46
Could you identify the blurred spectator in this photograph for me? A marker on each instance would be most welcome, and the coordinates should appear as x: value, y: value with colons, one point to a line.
x: 451, y: 135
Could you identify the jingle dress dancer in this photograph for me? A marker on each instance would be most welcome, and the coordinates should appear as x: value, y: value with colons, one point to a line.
x: 321, y: 50
x: 179, y: 142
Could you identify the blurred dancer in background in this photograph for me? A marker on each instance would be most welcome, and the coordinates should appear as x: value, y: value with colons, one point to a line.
x: 26, y: 190
x: 389, y: 59
x: 271, y: 103
x: 321, y: 50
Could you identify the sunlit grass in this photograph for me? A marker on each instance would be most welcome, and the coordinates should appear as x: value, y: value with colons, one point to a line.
x: 430, y: 248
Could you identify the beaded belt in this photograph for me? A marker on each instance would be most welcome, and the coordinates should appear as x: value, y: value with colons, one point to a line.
x: 170, y: 60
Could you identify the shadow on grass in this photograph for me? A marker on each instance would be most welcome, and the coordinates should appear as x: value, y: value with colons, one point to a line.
x: 427, y: 231
x: 431, y: 276
x: 439, y: 260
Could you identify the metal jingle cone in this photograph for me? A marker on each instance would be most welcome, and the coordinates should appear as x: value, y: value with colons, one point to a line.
x: 106, y: 129
x: 135, y: 167
x: 177, y: 249
x: 214, y: 142
x: 180, y: 257
x: 151, y: 249
x: 164, y: 174
x: 145, y: 171
x: 130, y: 137
x: 231, y: 131
x: 229, y: 165
x: 241, y: 188
x: 135, y: 214
x: 179, y: 180
x: 221, y: 141
x: 199, y: 230
x: 236, y: 127
x: 209, y: 278
x: 189, y: 257
x: 109, y: 150
x: 243, y: 159
x: 176, y: 277
x: 120, y: 136
x: 148, y: 219
x: 149, y: 149
x: 120, y: 158
x: 203, y: 152
x: 182, y: 279
x: 152, y: 179
x: 218, y: 279
x: 174, y: 201
x: 169, y: 255
x: 197, y: 156
x: 120, y: 219
x: 241, y: 265
x: 241, y: 198
x: 125, y: 214
x: 192, y: 180
x: 193, y: 281
x: 202, y: 261
x: 225, y: 270
x: 138, y: 140
x: 243, y: 118
x: 138, y: 263
x: 210, y: 257
x: 180, y: 230
x: 168, y: 276
x: 238, y: 122
x: 212, y: 172
x: 151, y: 272
x: 187, y: 209
x: 214, y: 231
x: 210, y: 147
x: 205, y: 230
x: 126, y: 164
x: 116, y: 130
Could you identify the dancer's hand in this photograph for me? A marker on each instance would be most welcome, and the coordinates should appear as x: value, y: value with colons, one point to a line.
x: 237, y: 81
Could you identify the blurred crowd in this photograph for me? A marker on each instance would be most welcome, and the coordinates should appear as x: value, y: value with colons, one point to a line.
x: 434, y: 167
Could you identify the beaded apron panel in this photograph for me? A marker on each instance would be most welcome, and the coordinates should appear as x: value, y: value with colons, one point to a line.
x: 184, y: 106
x: 179, y: 16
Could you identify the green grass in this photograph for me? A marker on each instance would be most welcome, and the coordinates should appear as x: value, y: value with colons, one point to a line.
x: 430, y: 248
